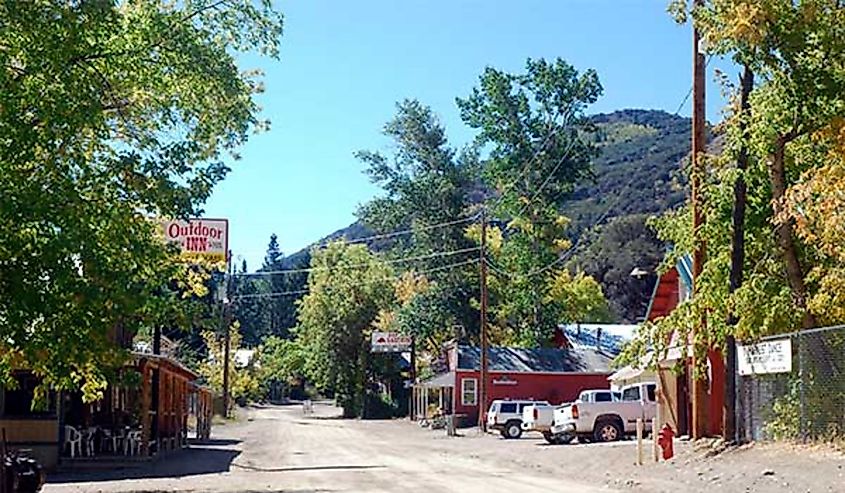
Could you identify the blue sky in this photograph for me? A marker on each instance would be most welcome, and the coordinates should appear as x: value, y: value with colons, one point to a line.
x: 344, y: 64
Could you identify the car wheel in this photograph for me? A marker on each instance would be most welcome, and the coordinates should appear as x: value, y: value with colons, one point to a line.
x: 563, y: 438
x: 513, y: 430
x: 550, y: 438
x: 607, y: 431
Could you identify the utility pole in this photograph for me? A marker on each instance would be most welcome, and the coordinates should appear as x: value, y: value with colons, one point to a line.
x: 731, y: 418
x: 227, y: 339
x: 482, y: 384
x: 699, y: 408
x: 412, y: 373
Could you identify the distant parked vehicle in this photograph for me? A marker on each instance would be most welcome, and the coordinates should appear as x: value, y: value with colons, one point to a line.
x: 505, y: 416
x: 606, y: 418
x: 599, y: 395
x: 539, y: 417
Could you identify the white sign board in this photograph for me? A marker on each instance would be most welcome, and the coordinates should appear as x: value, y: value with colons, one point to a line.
x: 765, y: 357
x: 390, y: 342
x: 207, y: 238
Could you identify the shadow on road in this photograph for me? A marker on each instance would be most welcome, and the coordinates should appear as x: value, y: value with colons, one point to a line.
x: 214, y: 442
x: 305, y: 468
x: 188, y: 462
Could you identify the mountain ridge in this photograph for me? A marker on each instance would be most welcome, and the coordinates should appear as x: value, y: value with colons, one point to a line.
x: 637, y: 145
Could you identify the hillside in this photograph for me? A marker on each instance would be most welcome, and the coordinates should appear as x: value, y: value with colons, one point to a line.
x: 637, y: 174
x: 641, y: 152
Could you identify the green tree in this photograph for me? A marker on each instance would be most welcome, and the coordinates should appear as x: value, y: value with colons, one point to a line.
x: 427, y: 183
x: 252, y: 305
x: 112, y: 113
x: 280, y: 309
x: 535, y: 127
x: 796, y: 51
x: 348, y: 288
x: 281, y: 361
x: 244, y: 381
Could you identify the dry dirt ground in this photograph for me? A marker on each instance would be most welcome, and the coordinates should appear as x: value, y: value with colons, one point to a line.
x: 277, y: 449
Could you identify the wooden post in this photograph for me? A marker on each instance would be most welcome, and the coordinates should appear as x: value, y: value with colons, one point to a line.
x: 482, y: 381
x: 655, y: 449
x: 160, y: 410
x: 3, y: 461
x: 412, y: 374
x: 699, y: 136
x: 146, y: 404
x: 227, y: 311
x: 639, y: 441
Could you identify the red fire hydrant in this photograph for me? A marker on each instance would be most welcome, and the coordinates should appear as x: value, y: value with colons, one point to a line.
x: 665, y: 439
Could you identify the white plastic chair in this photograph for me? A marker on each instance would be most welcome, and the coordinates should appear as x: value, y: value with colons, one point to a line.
x: 111, y: 440
x: 132, y: 443
x: 73, y: 439
x: 90, y: 438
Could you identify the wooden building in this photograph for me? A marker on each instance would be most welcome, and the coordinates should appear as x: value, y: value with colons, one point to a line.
x: 556, y: 375
x: 674, y: 372
x: 150, y: 407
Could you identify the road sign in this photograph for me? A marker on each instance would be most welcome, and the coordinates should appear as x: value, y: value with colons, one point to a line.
x: 390, y: 342
x: 199, y: 237
x: 765, y: 357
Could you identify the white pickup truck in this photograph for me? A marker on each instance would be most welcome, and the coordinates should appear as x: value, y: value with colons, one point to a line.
x: 605, y: 418
x: 539, y: 417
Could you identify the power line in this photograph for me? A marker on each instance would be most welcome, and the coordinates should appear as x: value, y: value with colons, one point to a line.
x: 392, y: 234
x: 406, y: 231
x: 526, y: 167
x: 548, y: 179
x: 373, y: 281
x: 387, y: 261
x: 689, y: 93
x: 270, y: 295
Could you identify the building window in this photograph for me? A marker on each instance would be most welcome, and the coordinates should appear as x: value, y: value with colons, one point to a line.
x: 469, y: 392
x: 17, y: 403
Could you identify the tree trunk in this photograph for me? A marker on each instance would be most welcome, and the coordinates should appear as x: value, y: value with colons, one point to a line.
x: 794, y: 272
x: 737, y: 259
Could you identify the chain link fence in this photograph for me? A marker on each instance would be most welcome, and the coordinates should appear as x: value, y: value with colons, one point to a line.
x: 792, y: 387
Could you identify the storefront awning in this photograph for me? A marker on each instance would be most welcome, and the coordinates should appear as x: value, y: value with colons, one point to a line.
x: 626, y: 373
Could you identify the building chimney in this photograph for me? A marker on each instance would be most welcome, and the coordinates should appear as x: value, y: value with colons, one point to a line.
x: 598, y: 338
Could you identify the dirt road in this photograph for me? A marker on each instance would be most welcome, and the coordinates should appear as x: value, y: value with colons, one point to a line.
x: 276, y: 449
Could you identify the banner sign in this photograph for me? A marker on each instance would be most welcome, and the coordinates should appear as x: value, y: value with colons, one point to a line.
x: 390, y: 342
x: 207, y: 238
x: 765, y: 357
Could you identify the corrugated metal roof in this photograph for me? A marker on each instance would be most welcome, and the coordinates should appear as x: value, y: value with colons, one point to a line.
x: 613, y: 336
x: 537, y: 360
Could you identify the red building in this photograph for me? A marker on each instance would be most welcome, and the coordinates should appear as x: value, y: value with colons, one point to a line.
x: 552, y: 374
x: 673, y: 288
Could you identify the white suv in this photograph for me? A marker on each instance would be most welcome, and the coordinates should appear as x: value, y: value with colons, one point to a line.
x: 506, y: 416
